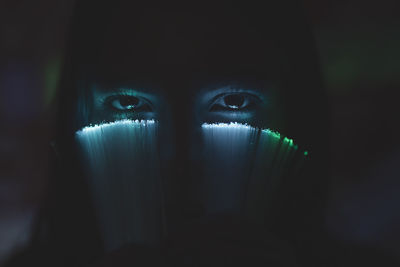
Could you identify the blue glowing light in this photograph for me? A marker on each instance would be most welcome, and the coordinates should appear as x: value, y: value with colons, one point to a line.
x: 243, y: 167
x: 124, y: 179
x: 115, y: 124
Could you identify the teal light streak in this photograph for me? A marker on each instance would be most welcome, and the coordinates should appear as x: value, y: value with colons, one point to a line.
x: 287, y: 146
x: 231, y: 158
x: 232, y: 125
x: 123, y: 176
x: 97, y: 127
x: 236, y: 125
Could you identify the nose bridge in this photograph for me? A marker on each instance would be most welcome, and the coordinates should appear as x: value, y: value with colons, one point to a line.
x: 182, y: 103
x: 185, y: 129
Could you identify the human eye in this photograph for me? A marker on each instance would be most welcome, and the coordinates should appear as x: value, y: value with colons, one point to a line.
x: 127, y: 103
x: 235, y: 102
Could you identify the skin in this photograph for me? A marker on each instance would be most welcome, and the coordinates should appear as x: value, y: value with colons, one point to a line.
x: 186, y: 68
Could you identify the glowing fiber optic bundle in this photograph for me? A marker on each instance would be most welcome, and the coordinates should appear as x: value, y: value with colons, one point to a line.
x: 124, y: 179
x: 243, y: 167
x: 228, y: 150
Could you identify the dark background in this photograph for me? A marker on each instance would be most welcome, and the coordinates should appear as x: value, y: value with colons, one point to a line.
x: 358, y: 43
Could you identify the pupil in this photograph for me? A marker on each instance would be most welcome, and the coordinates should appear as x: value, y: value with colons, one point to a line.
x: 234, y: 101
x: 129, y: 101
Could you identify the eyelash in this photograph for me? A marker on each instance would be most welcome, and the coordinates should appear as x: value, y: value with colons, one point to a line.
x: 245, y: 102
x: 248, y: 100
x: 141, y: 106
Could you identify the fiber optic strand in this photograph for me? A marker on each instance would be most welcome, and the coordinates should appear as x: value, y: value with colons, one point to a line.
x: 245, y: 165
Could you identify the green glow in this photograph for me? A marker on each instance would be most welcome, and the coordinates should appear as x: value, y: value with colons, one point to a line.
x: 362, y: 57
x: 242, y: 168
x: 273, y: 133
x: 252, y: 161
x: 51, y: 77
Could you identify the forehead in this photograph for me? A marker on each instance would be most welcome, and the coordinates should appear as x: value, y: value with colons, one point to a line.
x: 180, y: 46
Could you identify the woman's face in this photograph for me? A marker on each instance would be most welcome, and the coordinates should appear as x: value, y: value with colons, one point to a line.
x: 187, y: 69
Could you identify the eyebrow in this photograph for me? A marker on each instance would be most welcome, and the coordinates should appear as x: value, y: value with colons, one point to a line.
x: 134, y: 91
x: 233, y: 87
